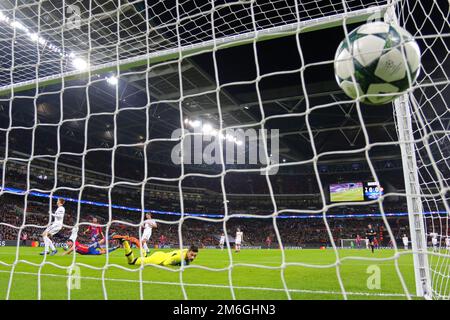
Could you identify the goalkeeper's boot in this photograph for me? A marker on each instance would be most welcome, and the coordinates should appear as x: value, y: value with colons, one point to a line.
x: 113, y: 249
x: 135, y: 241
x: 120, y: 238
x: 54, y: 252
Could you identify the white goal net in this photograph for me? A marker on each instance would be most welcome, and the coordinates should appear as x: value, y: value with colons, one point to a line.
x: 430, y: 116
x: 95, y: 96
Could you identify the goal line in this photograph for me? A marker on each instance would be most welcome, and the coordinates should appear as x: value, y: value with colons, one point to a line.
x: 218, y: 286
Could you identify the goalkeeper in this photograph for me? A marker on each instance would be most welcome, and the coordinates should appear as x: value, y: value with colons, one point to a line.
x: 173, y: 258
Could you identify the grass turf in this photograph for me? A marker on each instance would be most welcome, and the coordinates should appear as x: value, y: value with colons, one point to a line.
x: 317, y: 280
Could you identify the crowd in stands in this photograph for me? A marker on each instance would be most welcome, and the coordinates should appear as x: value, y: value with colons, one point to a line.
x: 234, y: 183
x: 203, y: 195
x: 302, y: 232
x: 245, y: 194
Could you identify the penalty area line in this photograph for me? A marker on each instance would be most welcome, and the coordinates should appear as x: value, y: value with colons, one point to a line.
x: 215, y: 285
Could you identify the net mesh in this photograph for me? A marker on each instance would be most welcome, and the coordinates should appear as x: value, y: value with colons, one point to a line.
x: 43, y: 39
x: 46, y: 40
x: 430, y: 114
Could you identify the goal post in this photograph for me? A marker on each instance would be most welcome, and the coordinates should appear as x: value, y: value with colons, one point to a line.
x: 417, y: 138
x: 413, y: 197
x: 416, y: 217
x: 350, y: 244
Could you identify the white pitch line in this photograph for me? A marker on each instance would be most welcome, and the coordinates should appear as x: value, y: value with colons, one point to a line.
x: 217, y: 285
x: 271, y: 262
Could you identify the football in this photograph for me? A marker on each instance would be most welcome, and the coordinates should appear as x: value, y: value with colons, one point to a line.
x: 383, y: 59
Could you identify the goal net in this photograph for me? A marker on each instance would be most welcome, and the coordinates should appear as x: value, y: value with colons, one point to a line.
x: 351, y: 244
x: 102, y: 103
x: 430, y: 117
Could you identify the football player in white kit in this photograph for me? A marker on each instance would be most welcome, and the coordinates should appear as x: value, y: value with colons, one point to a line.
x: 434, y: 241
x: 74, y: 234
x: 149, y: 224
x: 405, y: 241
x: 53, y: 228
x: 222, y: 241
x: 366, y: 240
x: 447, y: 243
x: 238, y: 241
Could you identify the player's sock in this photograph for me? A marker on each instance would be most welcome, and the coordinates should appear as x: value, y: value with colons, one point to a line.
x: 46, y: 244
x: 145, y: 247
x: 128, y: 252
x: 112, y: 249
x: 373, y: 247
x: 45, y: 247
x: 52, y: 246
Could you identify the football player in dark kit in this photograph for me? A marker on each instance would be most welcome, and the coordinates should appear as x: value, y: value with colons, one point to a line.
x: 370, y: 234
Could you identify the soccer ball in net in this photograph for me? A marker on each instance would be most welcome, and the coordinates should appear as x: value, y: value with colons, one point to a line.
x: 379, y: 56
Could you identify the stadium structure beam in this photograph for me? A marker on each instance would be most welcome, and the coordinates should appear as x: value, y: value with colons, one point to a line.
x: 278, y: 96
x: 338, y: 128
x: 155, y: 72
x: 224, y: 91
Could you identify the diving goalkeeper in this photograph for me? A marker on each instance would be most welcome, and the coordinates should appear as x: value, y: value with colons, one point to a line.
x: 173, y: 258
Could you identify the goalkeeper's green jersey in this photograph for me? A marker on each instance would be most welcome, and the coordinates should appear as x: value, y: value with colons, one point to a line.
x: 173, y: 258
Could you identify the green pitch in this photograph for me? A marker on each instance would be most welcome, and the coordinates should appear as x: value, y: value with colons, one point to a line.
x: 250, y: 282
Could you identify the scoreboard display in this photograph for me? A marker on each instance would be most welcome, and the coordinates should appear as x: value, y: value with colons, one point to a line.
x: 355, y: 191
x: 372, y: 191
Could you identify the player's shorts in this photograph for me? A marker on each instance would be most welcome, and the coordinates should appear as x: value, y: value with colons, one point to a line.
x: 238, y: 243
x: 94, y: 249
x: 146, y: 234
x: 91, y: 251
x: 95, y: 237
x: 53, y: 229
x: 434, y: 242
